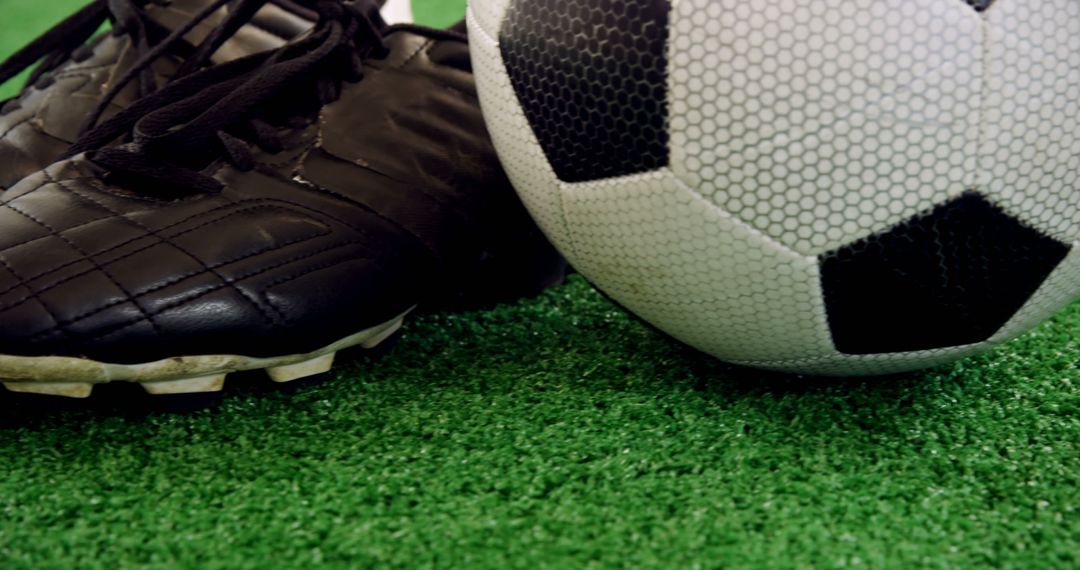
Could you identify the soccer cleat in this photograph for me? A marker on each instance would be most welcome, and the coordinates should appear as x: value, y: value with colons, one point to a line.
x: 264, y: 218
x: 84, y: 77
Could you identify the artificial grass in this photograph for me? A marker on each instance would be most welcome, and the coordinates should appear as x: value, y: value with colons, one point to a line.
x: 560, y: 432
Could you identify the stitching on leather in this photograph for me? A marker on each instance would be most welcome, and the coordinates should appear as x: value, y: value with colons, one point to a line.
x: 32, y: 190
x: 110, y: 249
x: 245, y: 295
x: 180, y: 302
x: 423, y: 47
x: 39, y: 238
x: 173, y: 281
x: 42, y: 132
x: 126, y: 243
x: 14, y: 126
x: 181, y: 278
x: 329, y: 215
x: 103, y: 271
x: 310, y: 271
x: 55, y: 326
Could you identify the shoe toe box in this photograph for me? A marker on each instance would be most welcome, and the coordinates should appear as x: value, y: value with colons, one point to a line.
x: 87, y: 273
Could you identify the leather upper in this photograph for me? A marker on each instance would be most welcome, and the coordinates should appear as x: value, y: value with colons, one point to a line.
x: 392, y: 196
x: 47, y: 117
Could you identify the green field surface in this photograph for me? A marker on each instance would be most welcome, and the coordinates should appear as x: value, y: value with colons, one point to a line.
x: 558, y: 432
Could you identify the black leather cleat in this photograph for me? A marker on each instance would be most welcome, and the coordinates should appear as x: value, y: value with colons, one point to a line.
x: 264, y: 217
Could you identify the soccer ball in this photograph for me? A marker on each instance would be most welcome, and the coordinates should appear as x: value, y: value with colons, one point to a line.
x: 397, y: 11
x: 828, y: 187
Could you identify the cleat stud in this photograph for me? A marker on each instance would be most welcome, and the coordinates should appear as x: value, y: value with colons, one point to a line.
x: 63, y: 389
x: 382, y: 335
x: 384, y: 347
x: 291, y: 372
x: 201, y: 385
x: 303, y: 383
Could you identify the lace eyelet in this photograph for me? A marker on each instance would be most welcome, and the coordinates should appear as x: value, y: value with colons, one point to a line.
x: 44, y: 82
x: 82, y: 53
x: 10, y: 106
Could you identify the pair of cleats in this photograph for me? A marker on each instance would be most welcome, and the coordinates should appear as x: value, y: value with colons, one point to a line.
x: 218, y: 187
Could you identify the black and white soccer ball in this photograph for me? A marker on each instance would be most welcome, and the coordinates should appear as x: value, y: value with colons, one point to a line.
x: 818, y: 186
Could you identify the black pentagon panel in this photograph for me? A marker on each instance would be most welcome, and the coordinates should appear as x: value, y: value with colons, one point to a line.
x: 591, y: 76
x: 979, y: 5
x: 950, y: 277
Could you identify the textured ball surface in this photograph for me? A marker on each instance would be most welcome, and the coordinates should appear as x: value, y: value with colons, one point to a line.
x: 817, y: 186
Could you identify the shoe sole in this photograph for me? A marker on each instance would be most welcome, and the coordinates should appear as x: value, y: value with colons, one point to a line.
x: 76, y: 377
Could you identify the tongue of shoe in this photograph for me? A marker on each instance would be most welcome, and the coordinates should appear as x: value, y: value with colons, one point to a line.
x: 270, y: 28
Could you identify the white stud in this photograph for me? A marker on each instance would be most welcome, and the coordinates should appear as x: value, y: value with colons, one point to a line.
x: 64, y: 389
x: 383, y: 334
x: 200, y: 385
x: 290, y: 372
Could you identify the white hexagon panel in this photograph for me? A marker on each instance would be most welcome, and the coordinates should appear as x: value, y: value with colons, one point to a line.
x: 817, y: 186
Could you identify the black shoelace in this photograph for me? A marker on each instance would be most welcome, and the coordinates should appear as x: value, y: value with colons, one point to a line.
x: 69, y: 40
x: 215, y: 113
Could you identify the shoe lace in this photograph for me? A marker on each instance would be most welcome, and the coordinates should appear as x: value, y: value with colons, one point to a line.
x: 69, y: 40
x: 220, y: 112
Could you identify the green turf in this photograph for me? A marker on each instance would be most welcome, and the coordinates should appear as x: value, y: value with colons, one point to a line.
x: 559, y: 432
